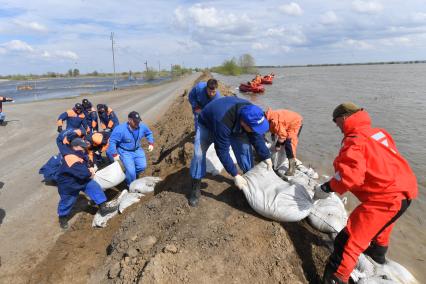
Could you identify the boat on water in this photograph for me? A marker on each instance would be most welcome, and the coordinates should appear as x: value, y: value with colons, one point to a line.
x: 24, y: 88
x: 246, y: 88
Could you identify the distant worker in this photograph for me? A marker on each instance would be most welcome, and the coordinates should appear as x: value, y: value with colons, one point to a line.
x: 286, y: 125
x: 98, y: 144
x: 63, y: 141
x: 125, y: 145
x: 74, y: 117
x: 202, y: 94
x: 107, y: 117
x: 229, y: 122
x: 91, y: 116
x: 370, y: 166
x: 2, y: 115
x: 74, y: 176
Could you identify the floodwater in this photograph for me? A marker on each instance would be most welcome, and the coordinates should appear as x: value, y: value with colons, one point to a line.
x: 395, y: 97
x: 66, y: 87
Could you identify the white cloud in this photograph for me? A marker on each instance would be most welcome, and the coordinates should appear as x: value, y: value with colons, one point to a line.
x: 329, y: 18
x: 367, y: 7
x: 31, y: 26
x: 357, y: 44
x: 292, y: 9
x: 290, y: 36
x: 66, y: 54
x: 419, y: 17
x: 259, y: 46
x: 396, y: 41
x: 17, y: 45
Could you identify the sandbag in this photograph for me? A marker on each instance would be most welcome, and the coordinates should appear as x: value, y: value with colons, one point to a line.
x: 100, y: 221
x: 110, y: 176
x: 144, y: 185
x: 274, y: 198
x: 328, y: 215
x: 51, y: 168
x: 213, y: 164
x: 129, y: 199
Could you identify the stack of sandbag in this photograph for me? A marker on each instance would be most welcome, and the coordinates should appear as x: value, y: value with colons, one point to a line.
x: 328, y: 215
x: 138, y: 188
x: 110, y: 176
x: 213, y: 164
x: 274, y: 198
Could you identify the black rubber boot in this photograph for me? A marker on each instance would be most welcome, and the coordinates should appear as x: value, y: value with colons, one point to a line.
x: 195, y: 193
x: 377, y: 253
x: 291, y: 167
x: 104, y: 209
x: 330, y: 278
x: 63, y: 222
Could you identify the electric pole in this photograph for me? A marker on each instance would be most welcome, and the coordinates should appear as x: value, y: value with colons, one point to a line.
x: 114, y: 86
x: 146, y: 65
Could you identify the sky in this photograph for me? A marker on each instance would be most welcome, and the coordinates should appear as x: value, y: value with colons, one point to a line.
x: 40, y: 36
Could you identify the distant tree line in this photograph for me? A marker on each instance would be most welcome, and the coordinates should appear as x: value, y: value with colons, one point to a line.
x: 245, y: 64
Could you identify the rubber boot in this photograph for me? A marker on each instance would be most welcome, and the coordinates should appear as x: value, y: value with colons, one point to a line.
x: 291, y: 167
x: 330, y: 278
x: 376, y: 253
x: 63, y: 222
x: 104, y: 209
x: 195, y: 194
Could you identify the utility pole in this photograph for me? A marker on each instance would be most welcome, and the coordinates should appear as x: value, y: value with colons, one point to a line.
x: 146, y: 65
x: 114, y: 86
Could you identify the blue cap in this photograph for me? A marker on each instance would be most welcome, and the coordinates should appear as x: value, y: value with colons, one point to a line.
x: 254, y: 117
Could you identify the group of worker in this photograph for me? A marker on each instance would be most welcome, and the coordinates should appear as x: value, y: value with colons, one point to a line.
x: 82, y: 143
x: 2, y: 114
x: 368, y: 165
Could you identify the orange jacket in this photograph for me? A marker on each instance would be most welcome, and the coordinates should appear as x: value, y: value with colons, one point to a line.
x: 369, y: 165
x: 283, y: 122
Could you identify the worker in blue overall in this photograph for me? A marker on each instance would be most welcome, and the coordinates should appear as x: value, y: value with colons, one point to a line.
x: 91, y: 115
x: 76, y: 175
x: 107, y: 117
x: 229, y: 122
x: 125, y: 145
x: 74, y: 117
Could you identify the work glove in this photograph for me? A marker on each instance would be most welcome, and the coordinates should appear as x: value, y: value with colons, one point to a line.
x: 107, y: 129
x: 59, y: 129
x: 322, y: 191
x: 116, y: 157
x: 92, y: 171
x: 150, y: 148
x: 268, y: 163
x: 278, y: 145
x: 240, y: 182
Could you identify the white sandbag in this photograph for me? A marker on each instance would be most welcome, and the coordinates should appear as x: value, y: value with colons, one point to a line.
x: 328, y: 215
x: 274, y: 198
x: 101, y: 221
x: 213, y: 164
x: 110, y: 176
x: 144, y: 185
x: 129, y: 199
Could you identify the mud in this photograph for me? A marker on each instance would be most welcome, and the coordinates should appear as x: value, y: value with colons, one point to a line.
x: 163, y: 240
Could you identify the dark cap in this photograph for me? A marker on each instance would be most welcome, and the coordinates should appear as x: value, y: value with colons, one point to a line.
x: 86, y: 103
x: 135, y: 116
x: 101, y: 107
x: 79, y: 142
x: 347, y: 109
x: 255, y: 118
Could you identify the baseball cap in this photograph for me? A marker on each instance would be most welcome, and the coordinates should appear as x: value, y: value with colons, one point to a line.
x: 135, y: 116
x: 79, y: 142
x: 254, y: 117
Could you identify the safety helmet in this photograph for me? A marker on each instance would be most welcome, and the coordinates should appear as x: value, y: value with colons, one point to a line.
x: 86, y: 103
x: 78, y: 108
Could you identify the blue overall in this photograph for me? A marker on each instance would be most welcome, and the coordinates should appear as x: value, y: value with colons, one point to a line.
x: 73, y: 177
x: 219, y: 123
x: 126, y: 142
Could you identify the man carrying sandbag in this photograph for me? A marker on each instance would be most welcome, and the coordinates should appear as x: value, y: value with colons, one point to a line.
x: 370, y: 166
x: 74, y: 176
x: 125, y: 145
x: 286, y: 125
x: 229, y: 121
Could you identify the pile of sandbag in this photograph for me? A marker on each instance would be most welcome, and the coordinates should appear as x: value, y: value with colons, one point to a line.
x: 138, y: 189
x: 274, y: 198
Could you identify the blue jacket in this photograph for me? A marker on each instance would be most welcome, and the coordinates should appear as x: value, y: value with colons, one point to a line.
x: 65, y: 137
x: 74, y: 172
x: 127, y: 139
x: 198, y: 97
x: 222, y: 118
x: 74, y: 120
x: 91, y: 119
x: 108, y: 119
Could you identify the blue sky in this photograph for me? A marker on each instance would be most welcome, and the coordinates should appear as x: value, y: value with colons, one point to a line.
x: 52, y: 36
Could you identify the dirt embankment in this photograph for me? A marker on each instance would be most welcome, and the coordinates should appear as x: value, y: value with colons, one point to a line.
x: 163, y: 240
